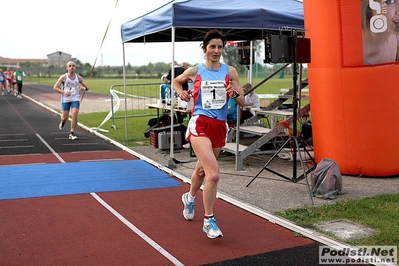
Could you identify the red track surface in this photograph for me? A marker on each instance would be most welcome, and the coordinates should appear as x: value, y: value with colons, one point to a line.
x: 79, y: 230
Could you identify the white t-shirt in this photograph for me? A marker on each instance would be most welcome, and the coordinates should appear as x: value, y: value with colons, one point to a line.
x: 72, y: 85
x: 252, y: 100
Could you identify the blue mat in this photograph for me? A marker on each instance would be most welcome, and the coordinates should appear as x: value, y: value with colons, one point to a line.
x: 83, y: 177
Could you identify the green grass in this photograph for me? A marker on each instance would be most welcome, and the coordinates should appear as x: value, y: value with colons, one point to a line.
x: 380, y: 213
x: 102, y: 86
x: 136, y: 127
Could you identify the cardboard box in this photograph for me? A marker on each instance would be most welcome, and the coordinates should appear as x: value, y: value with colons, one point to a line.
x: 154, y: 139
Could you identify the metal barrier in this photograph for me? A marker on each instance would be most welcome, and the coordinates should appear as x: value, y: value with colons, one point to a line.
x: 133, y: 102
x: 137, y: 96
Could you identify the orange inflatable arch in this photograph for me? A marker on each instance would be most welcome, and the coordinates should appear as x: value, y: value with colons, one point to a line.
x: 354, y: 100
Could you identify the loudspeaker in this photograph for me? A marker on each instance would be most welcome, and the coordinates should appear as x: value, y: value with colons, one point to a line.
x: 303, y: 50
x: 277, y: 49
x: 244, y: 53
x: 280, y: 49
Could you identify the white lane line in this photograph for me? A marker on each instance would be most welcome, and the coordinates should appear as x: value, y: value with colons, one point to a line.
x: 22, y: 164
x: 9, y: 140
x: 17, y: 147
x: 12, y: 155
x: 121, y: 218
x: 137, y: 231
x: 81, y: 144
x: 103, y: 160
x: 51, y: 149
x: 98, y: 151
x: 11, y: 134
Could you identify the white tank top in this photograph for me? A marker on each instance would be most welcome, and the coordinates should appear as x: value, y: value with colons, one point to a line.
x: 73, y: 86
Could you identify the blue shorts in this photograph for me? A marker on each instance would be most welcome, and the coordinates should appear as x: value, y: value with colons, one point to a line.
x: 66, y: 106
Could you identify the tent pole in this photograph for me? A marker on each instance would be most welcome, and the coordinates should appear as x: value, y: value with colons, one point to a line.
x: 172, y: 164
x: 251, y: 52
x: 124, y: 89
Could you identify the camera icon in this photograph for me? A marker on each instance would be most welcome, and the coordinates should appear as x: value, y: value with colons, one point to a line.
x: 378, y: 23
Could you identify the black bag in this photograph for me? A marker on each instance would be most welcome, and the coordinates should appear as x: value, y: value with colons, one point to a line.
x: 164, y: 121
x: 149, y: 129
x: 306, y: 133
x: 152, y: 122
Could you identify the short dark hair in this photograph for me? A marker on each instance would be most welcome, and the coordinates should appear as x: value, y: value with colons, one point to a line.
x: 213, y: 34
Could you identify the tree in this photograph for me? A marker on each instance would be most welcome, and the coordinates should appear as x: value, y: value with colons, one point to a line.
x: 26, y: 67
x: 129, y: 67
x: 142, y: 69
x: 50, y: 69
x: 150, y: 67
x: 120, y: 71
x: 231, y: 56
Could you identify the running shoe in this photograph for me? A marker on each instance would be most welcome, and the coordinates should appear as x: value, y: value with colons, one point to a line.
x: 188, y: 211
x: 2, y: 93
x: 72, y: 136
x: 211, y: 228
x: 61, y: 125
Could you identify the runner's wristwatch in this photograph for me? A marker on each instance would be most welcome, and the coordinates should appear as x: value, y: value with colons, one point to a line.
x: 236, y: 94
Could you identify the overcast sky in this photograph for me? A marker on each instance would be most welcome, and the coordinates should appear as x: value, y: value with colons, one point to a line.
x: 34, y: 29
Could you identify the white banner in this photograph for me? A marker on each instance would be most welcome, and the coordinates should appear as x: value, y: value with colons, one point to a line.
x: 116, y: 108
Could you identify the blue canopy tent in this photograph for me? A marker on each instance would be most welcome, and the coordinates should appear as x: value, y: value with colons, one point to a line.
x: 189, y: 20
x: 237, y: 19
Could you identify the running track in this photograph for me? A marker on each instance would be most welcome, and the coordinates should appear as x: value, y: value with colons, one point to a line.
x: 130, y: 227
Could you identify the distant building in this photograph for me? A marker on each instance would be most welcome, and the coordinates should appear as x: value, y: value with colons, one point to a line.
x: 56, y: 59
x: 14, y: 62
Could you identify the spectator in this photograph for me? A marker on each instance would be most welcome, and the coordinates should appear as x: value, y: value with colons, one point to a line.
x: 251, y: 101
x: 178, y: 71
x: 164, y: 90
x: 231, y: 112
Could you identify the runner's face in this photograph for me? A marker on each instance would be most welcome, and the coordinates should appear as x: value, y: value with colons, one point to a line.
x: 71, y: 67
x: 214, y: 50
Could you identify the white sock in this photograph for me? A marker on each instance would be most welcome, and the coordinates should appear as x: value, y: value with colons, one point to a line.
x: 207, y: 216
x: 191, y: 198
